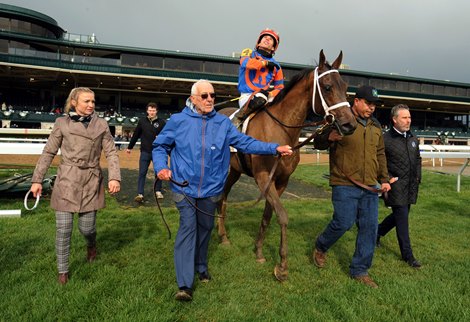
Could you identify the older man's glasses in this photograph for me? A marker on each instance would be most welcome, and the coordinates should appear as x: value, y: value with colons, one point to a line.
x: 204, y: 96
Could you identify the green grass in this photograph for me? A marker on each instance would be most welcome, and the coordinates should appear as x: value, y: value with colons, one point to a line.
x: 133, y: 278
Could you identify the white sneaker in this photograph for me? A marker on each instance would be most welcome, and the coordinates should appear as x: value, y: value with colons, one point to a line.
x: 139, y: 198
x: 159, y: 195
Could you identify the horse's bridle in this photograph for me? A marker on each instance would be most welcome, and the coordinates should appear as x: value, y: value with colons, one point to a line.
x: 316, y: 84
x: 329, y: 118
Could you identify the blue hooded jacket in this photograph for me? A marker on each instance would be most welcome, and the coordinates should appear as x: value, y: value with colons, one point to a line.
x: 199, y: 150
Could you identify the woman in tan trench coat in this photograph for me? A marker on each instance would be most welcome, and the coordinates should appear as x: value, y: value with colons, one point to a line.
x: 81, y: 136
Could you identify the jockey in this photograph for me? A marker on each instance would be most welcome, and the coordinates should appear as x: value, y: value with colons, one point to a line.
x: 259, y: 73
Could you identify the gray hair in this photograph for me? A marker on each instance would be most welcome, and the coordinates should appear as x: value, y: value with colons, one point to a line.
x: 396, y: 108
x: 196, y: 85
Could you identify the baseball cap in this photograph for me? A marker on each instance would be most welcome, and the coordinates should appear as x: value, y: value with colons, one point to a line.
x: 368, y: 93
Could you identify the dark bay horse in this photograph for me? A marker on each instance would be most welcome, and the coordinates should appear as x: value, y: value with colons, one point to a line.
x: 321, y: 89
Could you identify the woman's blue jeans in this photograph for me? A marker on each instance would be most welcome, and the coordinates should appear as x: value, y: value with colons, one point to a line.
x: 353, y: 205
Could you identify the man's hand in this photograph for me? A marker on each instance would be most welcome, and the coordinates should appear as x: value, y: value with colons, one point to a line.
x: 284, y: 150
x: 164, y: 174
x: 114, y: 186
x: 385, y: 187
x: 334, y: 136
x: 128, y: 151
x: 269, y: 65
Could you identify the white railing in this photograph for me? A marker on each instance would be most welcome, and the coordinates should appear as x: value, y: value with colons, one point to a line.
x: 17, y: 146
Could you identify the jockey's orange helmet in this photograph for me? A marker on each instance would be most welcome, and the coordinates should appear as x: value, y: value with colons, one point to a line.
x: 269, y: 32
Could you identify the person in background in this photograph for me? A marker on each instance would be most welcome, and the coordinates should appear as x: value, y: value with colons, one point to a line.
x: 258, y: 72
x: 357, y: 163
x: 81, y: 137
x: 198, y: 142
x: 147, y: 130
x: 118, y: 138
x: 404, y: 166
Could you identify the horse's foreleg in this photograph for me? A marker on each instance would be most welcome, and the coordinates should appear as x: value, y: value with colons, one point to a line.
x: 221, y: 222
x: 280, y: 271
x: 233, y: 176
x: 267, y: 215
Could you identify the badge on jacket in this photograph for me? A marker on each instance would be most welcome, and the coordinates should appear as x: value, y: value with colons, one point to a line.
x: 246, y: 52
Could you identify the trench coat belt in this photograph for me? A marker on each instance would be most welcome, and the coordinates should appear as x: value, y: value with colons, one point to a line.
x: 92, y: 167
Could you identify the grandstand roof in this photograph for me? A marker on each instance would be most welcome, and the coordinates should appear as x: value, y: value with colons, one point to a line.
x: 24, y: 14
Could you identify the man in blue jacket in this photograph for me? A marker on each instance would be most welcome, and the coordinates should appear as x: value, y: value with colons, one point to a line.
x: 198, y: 142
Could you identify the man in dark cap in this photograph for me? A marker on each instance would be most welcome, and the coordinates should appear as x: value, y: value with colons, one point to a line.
x: 357, y: 164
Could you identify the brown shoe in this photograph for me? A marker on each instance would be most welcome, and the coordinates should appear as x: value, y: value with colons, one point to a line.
x: 91, y: 254
x: 185, y: 295
x: 63, y: 278
x: 319, y: 258
x: 365, y: 279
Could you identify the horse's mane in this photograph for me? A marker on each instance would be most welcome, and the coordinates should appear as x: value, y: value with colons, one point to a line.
x: 296, y: 79
x: 291, y: 84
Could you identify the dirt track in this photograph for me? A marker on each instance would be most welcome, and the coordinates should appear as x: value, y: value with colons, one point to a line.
x: 244, y: 190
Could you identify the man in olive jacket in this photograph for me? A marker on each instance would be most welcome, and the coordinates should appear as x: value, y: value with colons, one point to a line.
x: 404, y: 166
x: 355, y: 159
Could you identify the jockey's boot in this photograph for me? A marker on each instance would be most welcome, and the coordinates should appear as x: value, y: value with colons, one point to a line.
x: 257, y: 102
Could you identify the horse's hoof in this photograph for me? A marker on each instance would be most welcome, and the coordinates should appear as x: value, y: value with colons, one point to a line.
x: 280, y: 274
x: 261, y: 260
x: 224, y: 240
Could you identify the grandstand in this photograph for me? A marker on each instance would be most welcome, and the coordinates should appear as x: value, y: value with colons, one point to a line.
x: 40, y: 63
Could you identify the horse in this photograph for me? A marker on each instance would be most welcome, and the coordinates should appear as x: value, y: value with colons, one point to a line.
x: 321, y: 89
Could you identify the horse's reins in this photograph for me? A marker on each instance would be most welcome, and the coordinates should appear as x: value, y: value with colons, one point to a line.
x: 364, y: 186
x: 329, y: 119
x: 182, y: 185
x: 278, y: 158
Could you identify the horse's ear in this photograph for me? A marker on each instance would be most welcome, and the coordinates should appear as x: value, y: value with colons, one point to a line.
x: 337, y: 63
x: 322, y: 59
